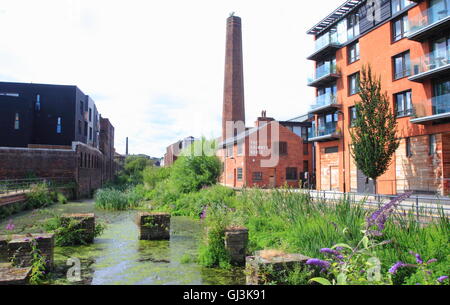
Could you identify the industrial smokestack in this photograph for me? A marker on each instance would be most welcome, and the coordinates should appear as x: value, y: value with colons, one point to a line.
x: 126, y: 153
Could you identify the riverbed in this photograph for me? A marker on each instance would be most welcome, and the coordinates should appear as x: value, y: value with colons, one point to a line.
x: 117, y: 257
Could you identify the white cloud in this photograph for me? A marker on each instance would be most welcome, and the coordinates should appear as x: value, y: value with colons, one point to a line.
x: 155, y: 68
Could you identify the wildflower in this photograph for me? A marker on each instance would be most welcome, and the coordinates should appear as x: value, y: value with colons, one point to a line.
x: 442, y: 278
x: 419, y: 260
x: 395, y: 267
x: 380, y: 216
x: 433, y: 260
x: 10, y: 226
x: 318, y: 262
x: 203, y: 212
x: 329, y: 251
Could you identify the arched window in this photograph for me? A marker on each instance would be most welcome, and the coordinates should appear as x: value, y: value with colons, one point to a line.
x: 58, y: 125
x: 17, y: 122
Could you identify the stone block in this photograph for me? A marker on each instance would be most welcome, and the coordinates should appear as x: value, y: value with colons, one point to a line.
x: 20, y: 249
x: 236, y: 240
x: 10, y: 275
x: 86, y: 222
x: 268, y: 266
x: 153, y: 226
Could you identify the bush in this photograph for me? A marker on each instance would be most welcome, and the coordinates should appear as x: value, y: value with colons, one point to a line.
x: 69, y: 232
x: 61, y: 198
x: 39, y: 196
x: 153, y: 175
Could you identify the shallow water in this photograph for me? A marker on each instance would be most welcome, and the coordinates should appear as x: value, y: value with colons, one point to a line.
x: 118, y: 257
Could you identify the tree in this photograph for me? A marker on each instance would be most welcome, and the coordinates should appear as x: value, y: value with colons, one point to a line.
x: 197, y: 167
x: 374, y: 131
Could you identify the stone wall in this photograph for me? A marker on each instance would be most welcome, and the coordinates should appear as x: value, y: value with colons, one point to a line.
x: 422, y: 171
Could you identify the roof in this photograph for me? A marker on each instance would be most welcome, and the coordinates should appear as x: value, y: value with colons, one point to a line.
x: 300, y: 119
x: 335, y: 16
x: 242, y: 135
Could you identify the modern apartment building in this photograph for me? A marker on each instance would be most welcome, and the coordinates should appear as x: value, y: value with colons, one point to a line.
x: 407, y: 43
x: 41, y: 114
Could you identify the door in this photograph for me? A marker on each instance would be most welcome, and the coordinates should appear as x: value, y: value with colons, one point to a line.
x: 334, y: 178
x: 362, y: 186
x: 272, y: 182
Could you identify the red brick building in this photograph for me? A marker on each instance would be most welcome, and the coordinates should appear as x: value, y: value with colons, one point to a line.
x: 407, y: 43
x: 271, y: 154
x: 282, y: 145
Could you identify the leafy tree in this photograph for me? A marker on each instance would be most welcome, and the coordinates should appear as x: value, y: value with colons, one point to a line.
x: 133, y: 168
x: 198, y: 166
x: 373, y: 133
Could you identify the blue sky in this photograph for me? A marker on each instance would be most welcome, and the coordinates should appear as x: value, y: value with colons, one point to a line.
x: 155, y: 68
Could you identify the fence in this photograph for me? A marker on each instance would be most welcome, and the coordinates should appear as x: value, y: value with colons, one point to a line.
x: 19, y: 186
x: 424, y: 208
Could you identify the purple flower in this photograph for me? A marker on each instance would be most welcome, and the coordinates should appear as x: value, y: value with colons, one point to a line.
x: 10, y: 226
x: 318, y: 262
x: 329, y: 251
x: 433, y: 260
x: 419, y: 260
x: 380, y: 216
x: 203, y: 212
x: 397, y: 265
x: 442, y: 278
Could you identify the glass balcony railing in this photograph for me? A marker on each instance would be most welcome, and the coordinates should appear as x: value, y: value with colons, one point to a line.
x: 439, y: 105
x: 430, y: 62
x: 427, y: 18
x: 324, y: 100
x: 323, y: 70
x: 330, y: 39
x: 324, y: 130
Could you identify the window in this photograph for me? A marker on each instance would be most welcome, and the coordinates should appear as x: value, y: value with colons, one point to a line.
x: 239, y: 174
x: 305, y: 149
x: 403, y: 103
x: 353, y: 84
x: 17, y: 122
x: 257, y: 176
x: 353, y: 52
x: 352, y: 114
x: 399, y: 5
x: 90, y: 115
x: 230, y: 151
x: 240, y: 149
x: 58, y: 125
x: 401, y: 65
x: 400, y: 27
x: 81, y: 107
x: 408, y: 147
x: 85, y: 128
x: 79, y: 127
x: 331, y: 150
x: 352, y: 26
x: 432, y: 144
x: 283, y: 148
x: 37, y: 106
x: 291, y: 173
x: 90, y: 133
x: 81, y: 160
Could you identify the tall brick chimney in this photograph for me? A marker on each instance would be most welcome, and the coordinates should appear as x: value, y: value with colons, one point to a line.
x: 233, y: 96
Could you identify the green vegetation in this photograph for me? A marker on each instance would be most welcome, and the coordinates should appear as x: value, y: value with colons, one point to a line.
x: 117, y: 200
x: 69, y: 232
x: 133, y: 170
x: 40, y: 196
x: 374, y: 132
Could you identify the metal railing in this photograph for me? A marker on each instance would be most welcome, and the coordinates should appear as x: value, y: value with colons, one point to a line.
x: 323, y: 130
x: 328, y: 39
x: 20, y: 186
x: 423, y: 208
x: 326, y: 69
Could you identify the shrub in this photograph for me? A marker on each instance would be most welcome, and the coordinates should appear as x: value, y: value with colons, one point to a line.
x: 39, y: 196
x: 61, y: 198
x: 153, y: 175
x: 68, y: 232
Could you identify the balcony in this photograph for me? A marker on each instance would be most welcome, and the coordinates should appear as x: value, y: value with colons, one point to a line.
x: 329, y: 132
x: 432, y: 65
x: 325, y: 46
x: 325, y: 103
x: 438, y: 113
x: 326, y: 74
x: 430, y: 22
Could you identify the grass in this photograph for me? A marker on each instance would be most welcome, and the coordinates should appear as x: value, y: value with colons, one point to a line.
x: 118, y: 200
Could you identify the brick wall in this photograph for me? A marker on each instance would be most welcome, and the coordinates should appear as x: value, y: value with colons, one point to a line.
x: 329, y: 170
x: 83, y: 164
